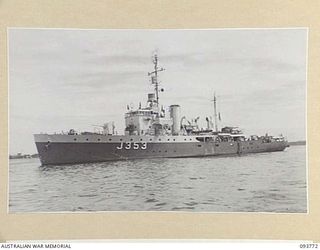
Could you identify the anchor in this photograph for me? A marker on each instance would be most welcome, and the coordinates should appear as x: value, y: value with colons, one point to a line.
x: 47, y: 145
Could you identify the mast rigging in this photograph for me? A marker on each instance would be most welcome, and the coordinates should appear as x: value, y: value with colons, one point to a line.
x: 154, y: 77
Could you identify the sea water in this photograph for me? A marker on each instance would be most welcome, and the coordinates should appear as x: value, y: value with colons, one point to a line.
x: 264, y: 182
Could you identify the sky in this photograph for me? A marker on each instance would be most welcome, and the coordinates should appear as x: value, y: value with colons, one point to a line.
x: 61, y: 79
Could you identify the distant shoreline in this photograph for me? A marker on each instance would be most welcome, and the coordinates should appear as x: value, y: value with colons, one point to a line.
x: 23, y: 156
x: 297, y: 143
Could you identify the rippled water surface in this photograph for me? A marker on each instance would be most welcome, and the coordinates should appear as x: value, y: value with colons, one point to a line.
x: 267, y: 182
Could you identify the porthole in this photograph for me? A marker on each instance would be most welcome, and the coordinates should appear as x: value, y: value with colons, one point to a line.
x: 87, y: 139
x: 120, y: 139
x: 75, y: 139
x: 185, y: 139
x: 159, y: 139
x: 110, y: 139
x: 141, y: 139
x: 98, y: 139
x: 174, y: 139
x: 131, y: 139
x: 190, y: 139
x: 150, y: 139
x: 165, y: 151
x: 168, y: 139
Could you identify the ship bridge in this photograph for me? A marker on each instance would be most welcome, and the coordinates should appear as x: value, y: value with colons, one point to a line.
x: 150, y: 120
x: 141, y: 112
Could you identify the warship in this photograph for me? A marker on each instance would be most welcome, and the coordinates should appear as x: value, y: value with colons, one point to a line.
x: 153, y: 132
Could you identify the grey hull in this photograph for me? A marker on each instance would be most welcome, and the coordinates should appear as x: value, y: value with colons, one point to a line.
x: 55, y: 153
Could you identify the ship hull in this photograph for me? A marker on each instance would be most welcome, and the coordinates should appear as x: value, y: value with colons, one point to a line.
x: 72, y: 149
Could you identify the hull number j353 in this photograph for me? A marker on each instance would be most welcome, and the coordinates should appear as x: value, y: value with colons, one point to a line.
x: 132, y: 145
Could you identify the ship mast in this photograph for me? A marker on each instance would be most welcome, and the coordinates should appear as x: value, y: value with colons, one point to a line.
x: 154, y: 77
x: 215, y: 112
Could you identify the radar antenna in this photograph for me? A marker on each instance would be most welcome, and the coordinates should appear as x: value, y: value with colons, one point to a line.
x: 154, y: 77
